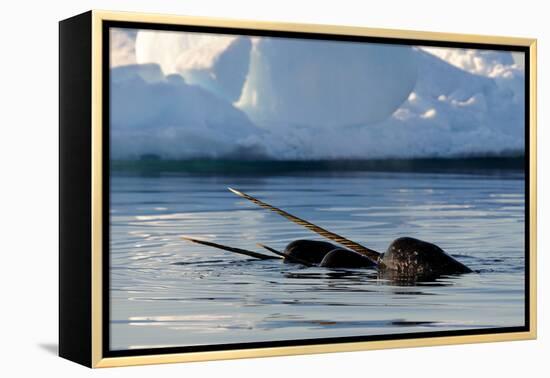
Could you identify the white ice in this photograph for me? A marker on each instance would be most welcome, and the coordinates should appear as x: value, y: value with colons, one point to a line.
x: 219, y: 96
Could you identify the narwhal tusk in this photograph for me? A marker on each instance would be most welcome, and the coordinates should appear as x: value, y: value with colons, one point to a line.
x: 256, y: 255
x: 370, y: 253
x: 285, y: 255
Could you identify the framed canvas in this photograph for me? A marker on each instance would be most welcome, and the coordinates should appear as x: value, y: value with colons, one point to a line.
x: 235, y: 189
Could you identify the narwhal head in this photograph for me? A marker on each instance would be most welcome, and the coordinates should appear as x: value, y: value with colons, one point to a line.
x: 413, y: 257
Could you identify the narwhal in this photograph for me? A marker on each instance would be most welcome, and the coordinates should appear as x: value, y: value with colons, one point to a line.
x: 405, y: 256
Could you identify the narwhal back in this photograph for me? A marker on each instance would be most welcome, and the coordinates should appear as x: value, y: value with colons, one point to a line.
x: 311, y: 251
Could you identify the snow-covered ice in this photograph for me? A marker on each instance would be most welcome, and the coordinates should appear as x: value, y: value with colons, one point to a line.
x: 197, y: 95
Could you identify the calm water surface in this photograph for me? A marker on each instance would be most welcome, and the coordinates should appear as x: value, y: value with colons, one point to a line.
x: 168, y: 292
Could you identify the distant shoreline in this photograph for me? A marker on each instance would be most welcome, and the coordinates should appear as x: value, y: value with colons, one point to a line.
x: 482, y: 165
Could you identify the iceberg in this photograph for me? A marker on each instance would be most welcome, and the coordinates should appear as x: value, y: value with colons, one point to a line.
x: 296, y: 99
x: 154, y: 114
x: 218, y: 63
x: 325, y: 83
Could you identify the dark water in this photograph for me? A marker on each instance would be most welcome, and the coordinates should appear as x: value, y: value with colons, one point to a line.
x: 168, y: 292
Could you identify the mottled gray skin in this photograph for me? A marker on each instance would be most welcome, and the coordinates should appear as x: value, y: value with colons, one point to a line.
x: 405, y: 257
x: 412, y: 257
x: 344, y: 258
x: 310, y: 251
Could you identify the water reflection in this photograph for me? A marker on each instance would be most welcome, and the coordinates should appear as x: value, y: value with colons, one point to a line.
x: 165, y: 291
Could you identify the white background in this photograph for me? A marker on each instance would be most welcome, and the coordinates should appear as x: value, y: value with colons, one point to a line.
x: 29, y: 190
